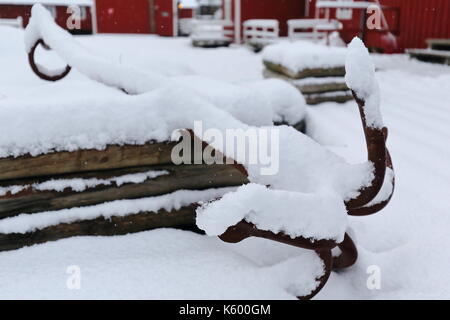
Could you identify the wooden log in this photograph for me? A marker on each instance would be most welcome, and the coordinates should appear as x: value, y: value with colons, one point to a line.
x: 428, y: 55
x: 315, y: 99
x: 306, y: 73
x: 309, y: 88
x: 322, y: 88
x: 439, y: 44
x: 183, y: 218
x: 112, y: 157
x: 190, y: 177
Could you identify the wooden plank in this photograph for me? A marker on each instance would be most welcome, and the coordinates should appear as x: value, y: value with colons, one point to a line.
x: 112, y: 157
x: 439, y: 44
x: 309, y: 88
x: 322, y: 88
x: 183, y: 218
x: 432, y: 56
x: 317, y: 98
x: 190, y: 177
x: 306, y: 73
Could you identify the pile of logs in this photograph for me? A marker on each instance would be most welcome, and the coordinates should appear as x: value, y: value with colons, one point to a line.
x: 29, y: 185
x: 22, y: 178
x: 317, y: 85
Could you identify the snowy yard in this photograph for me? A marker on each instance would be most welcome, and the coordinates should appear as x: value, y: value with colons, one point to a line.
x: 408, y: 240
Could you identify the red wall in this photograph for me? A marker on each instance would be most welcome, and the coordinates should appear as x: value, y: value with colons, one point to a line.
x: 281, y: 10
x: 135, y: 16
x: 411, y: 21
x: 24, y: 11
x: 164, y: 17
x: 420, y: 20
x: 119, y: 16
x: 185, y: 13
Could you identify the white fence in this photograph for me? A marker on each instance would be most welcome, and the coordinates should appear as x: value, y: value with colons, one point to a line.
x: 18, y: 22
x: 212, y: 32
x: 311, y: 29
x: 261, y: 31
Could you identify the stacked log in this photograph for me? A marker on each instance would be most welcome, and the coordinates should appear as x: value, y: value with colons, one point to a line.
x: 316, y: 84
x: 29, y: 186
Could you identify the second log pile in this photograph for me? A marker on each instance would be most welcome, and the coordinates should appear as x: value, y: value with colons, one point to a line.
x: 317, y: 71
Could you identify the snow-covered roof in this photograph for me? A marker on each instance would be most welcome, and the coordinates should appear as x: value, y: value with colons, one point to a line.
x: 49, y: 2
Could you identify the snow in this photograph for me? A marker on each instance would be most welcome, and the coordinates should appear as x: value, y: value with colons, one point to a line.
x: 300, y: 55
x: 161, y: 264
x: 386, y: 190
x: 360, y: 77
x: 261, y: 23
x: 173, y: 201
x: 93, y: 122
x: 166, y: 263
x: 255, y: 103
x: 314, y: 216
x: 309, y: 177
x: 79, y: 184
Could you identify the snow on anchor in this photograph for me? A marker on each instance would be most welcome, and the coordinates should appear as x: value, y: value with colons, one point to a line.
x: 304, y: 205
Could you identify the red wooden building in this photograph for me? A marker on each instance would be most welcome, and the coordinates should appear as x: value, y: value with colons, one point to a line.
x: 159, y: 17
x: 282, y: 10
x: 13, y: 9
x: 137, y: 16
x: 410, y: 21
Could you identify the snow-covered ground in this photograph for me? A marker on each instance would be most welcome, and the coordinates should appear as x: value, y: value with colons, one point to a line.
x: 408, y: 241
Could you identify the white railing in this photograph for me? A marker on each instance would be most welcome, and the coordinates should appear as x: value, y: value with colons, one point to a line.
x: 261, y: 31
x: 18, y: 22
x: 212, y: 30
x: 311, y: 29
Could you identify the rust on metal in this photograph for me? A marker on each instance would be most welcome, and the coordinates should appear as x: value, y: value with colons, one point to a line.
x: 379, y: 156
x: 38, y: 71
